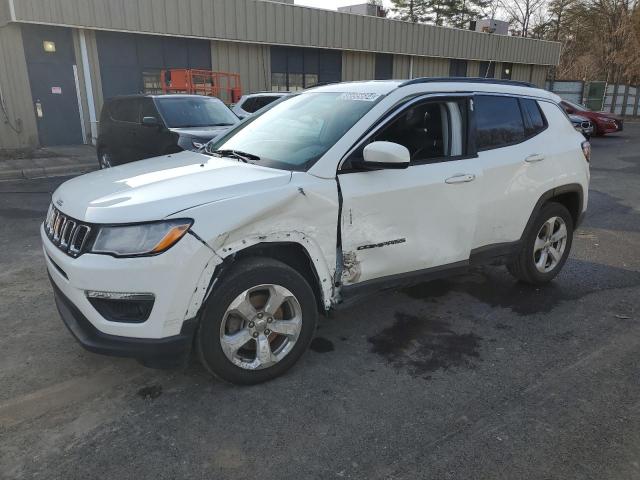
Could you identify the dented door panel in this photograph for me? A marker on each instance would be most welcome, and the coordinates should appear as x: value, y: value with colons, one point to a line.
x: 398, y: 221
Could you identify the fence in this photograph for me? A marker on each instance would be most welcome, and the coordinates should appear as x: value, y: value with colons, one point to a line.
x: 599, y: 96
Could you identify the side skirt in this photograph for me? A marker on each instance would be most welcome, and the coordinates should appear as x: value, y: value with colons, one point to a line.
x: 497, y: 254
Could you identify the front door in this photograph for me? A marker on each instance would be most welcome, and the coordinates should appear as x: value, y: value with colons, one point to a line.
x: 401, y: 221
x: 50, y: 62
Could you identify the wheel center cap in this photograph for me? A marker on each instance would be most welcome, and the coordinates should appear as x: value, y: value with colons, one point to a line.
x: 261, y: 324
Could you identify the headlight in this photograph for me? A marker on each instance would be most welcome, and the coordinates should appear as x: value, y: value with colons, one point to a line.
x: 141, y: 239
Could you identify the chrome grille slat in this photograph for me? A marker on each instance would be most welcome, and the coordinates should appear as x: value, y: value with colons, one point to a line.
x: 79, y: 239
x: 67, y: 234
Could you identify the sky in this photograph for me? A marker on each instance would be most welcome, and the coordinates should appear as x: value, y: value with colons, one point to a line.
x: 333, y: 4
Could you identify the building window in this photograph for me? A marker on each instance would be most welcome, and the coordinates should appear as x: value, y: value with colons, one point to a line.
x: 457, y: 68
x: 295, y: 69
x: 384, y: 66
x: 507, y: 69
x: 487, y: 70
x: 151, y: 83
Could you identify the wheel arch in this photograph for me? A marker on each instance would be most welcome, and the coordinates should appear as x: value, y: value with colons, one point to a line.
x: 289, y: 251
x: 292, y: 254
x: 571, y: 196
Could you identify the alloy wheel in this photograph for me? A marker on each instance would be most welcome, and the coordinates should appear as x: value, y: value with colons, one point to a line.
x: 550, y: 244
x: 260, y: 327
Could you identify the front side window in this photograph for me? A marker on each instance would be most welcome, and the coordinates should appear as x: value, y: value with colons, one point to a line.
x: 498, y: 121
x: 295, y: 133
x: 184, y: 112
x: 125, y: 110
x: 573, y: 106
x: 148, y: 109
x: 432, y: 131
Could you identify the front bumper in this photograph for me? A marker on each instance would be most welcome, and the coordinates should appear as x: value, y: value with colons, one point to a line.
x: 163, y: 352
x: 178, y: 279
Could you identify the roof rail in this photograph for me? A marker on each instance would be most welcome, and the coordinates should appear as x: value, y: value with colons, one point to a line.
x: 467, y: 80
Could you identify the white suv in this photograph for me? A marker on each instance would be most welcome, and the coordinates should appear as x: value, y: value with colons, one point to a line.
x: 331, y: 194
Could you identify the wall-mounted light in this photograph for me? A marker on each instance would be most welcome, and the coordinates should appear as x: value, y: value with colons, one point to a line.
x: 49, y: 46
x: 507, y: 71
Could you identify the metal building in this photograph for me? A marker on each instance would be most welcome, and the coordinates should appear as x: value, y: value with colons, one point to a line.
x: 59, y: 59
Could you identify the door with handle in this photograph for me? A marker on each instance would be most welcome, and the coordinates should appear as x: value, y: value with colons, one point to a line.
x: 534, y: 157
x: 514, y: 168
x: 397, y: 221
x: 424, y: 216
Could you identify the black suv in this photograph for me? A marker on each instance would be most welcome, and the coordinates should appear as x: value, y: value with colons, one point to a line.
x: 142, y: 126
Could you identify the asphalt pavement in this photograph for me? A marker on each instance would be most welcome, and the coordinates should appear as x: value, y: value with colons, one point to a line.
x: 475, y: 377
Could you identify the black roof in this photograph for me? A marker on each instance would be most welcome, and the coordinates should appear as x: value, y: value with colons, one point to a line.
x: 494, y: 81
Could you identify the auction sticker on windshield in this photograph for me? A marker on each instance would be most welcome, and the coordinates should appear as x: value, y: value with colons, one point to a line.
x: 363, y: 97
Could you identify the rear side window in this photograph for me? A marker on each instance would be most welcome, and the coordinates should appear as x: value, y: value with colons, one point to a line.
x: 252, y: 105
x: 249, y: 105
x: 498, y: 121
x: 125, y: 110
x: 534, y: 122
x: 264, y: 101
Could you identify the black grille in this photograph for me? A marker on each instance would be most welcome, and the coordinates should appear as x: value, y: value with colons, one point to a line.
x: 66, y: 233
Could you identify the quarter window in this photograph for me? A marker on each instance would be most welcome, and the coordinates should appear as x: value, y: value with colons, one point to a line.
x: 534, y: 122
x: 498, y: 121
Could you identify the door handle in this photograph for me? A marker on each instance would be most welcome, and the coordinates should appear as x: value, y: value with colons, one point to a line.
x: 461, y: 178
x: 535, y: 157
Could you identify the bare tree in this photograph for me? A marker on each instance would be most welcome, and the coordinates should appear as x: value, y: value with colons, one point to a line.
x: 521, y: 12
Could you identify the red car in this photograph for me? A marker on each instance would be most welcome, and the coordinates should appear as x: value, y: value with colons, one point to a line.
x: 603, y: 122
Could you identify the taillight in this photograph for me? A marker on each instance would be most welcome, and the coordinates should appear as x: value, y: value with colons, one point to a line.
x: 586, y: 150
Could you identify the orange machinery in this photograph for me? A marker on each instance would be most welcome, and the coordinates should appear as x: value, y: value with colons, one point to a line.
x: 224, y: 85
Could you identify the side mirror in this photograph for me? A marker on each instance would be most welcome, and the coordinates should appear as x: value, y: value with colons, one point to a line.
x: 385, y: 155
x: 150, y: 122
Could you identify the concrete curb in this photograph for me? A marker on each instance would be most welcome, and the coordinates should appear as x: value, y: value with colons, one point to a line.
x: 52, y: 171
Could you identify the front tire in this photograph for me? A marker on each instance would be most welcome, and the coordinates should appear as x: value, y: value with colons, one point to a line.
x: 105, y: 159
x: 257, y: 323
x: 546, y: 246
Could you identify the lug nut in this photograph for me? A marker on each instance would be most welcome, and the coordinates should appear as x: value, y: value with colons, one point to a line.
x: 255, y: 334
x: 251, y: 324
x: 269, y: 320
x: 267, y: 331
x: 260, y: 315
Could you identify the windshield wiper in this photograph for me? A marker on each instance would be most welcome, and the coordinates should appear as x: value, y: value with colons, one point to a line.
x: 243, y: 156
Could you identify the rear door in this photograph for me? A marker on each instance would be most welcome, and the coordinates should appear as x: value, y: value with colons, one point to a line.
x: 512, y: 152
x: 423, y: 217
x: 125, y: 113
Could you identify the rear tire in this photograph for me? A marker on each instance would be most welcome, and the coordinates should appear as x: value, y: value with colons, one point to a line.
x: 545, y: 247
x: 257, y: 323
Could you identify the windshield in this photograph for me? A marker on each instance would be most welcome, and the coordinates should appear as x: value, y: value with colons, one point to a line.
x: 184, y: 112
x: 296, y: 132
x: 575, y: 106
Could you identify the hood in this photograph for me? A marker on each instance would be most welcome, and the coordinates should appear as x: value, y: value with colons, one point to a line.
x: 207, y: 133
x: 159, y: 187
x: 578, y: 118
